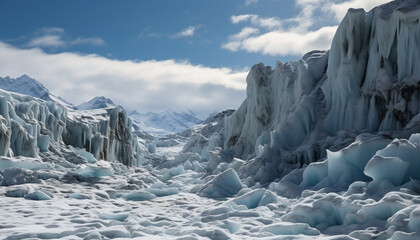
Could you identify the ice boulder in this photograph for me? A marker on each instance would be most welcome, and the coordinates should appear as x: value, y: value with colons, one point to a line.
x: 172, y: 172
x: 16, y: 192
x: 15, y: 176
x: 390, y: 168
x: 84, y: 154
x: 160, y: 192
x: 414, y: 220
x: 94, y: 171
x: 113, y: 216
x: 256, y: 198
x: 407, y: 152
x: 415, y: 139
x: 314, y: 173
x: 225, y: 184
x: 38, y: 195
x: 343, y: 167
x: 286, y: 228
x: 139, y: 196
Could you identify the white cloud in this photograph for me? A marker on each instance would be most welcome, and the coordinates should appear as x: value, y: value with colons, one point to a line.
x: 340, y: 9
x: 54, y: 37
x: 235, y: 40
x: 47, y: 41
x: 144, y: 85
x: 286, y: 43
x: 269, y: 23
x: 296, y: 35
x: 188, y: 32
x: 93, y: 41
x: 249, y: 2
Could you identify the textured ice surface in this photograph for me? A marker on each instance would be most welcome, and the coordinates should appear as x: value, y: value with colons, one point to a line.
x: 35, y: 128
x: 366, y: 82
x: 366, y: 186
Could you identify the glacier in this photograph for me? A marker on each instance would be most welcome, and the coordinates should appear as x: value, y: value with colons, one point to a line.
x: 32, y: 127
x: 326, y: 147
x: 364, y: 84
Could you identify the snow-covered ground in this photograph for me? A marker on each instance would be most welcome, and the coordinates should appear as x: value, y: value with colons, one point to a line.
x: 170, y: 197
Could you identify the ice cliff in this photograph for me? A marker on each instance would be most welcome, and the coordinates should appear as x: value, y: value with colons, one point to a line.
x: 368, y: 81
x: 33, y: 127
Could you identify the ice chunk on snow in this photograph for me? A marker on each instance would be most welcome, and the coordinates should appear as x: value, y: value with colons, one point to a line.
x: 286, y: 228
x: 160, y: 192
x: 314, y: 173
x: 16, y: 192
x: 139, y: 196
x: 172, y: 172
x: 347, y: 165
x: 415, y: 139
x: 15, y: 176
x: 102, y: 169
x: 113, y: 216
x: 256, y: 198
x: 414, y: 220
x: 407, y: 152
x: 115, y: 232
x: 84, y: 154
x: 79, y: 196
x: 23, y: 162
x: 226, y: 184
x: 38, y: 195
x: 390, y: 168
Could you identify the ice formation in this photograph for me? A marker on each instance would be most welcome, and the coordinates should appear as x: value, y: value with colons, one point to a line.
x: 35, y: 128
x: 366, y: 82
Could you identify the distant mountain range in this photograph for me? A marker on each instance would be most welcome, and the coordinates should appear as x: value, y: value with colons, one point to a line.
x: 159, y: 123
x: 167, y: 121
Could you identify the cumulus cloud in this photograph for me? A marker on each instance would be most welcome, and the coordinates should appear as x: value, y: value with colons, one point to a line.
x: 284, y: 43
x: 47, y: 41
x: 293, y: 36
x: 340, y: 9
x: 54, y: 37
x: 144, y: 85
x: 269, y: 23
x: 187, y: 32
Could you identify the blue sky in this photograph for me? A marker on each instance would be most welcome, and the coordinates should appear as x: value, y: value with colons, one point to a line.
x: 140, y: 29
x: 162, y: 54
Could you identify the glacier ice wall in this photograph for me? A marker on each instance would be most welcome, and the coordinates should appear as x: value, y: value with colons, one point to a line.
x: 369, y: 81
x: 33, y: 127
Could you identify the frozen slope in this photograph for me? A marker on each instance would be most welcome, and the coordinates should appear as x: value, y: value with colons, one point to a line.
x: 367, y: 82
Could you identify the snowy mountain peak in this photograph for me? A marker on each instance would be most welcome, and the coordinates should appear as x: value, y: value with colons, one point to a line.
x: 96, y: 103
x: 29, y: 86
x: 168, y: 121
x: 25, y: 85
